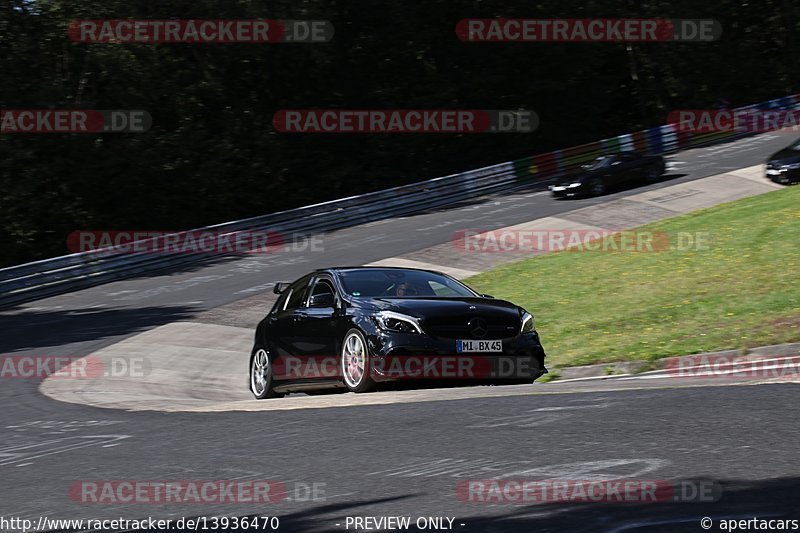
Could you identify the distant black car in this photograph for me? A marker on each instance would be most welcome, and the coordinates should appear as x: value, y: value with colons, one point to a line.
x: 611, y: 171
x: 350, y: 328
x: 784, y: 166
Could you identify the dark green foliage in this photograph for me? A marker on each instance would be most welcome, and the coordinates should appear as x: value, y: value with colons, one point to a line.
x: 212, y: 155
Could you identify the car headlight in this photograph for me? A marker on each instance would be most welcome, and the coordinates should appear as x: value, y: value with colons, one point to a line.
x: 573, y: 185
x: 397, y: 322
x: 793, y: 166
x: 528, y: 323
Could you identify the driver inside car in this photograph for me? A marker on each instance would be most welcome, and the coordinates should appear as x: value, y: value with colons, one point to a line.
x: 406, y: 289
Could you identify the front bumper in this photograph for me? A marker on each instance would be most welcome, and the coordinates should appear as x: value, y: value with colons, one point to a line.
x: 399, y: 356
x: 563, y: 191
x: 783, y: 176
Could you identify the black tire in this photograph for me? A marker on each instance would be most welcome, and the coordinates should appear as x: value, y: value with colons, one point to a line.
x: 597, y: 187
x: 652, y: 175
x: 261, y: 389
x: 350, y: 354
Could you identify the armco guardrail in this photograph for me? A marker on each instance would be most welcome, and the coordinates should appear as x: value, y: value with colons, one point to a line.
x: 63, y: 274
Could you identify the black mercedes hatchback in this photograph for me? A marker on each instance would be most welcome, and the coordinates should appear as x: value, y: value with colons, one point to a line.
x: 784, y: 166
x: 351, y: 328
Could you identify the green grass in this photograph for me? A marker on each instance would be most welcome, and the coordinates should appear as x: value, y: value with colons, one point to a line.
x: 742, y: 292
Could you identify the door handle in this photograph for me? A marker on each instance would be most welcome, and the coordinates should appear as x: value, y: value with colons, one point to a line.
x: 297, y: 317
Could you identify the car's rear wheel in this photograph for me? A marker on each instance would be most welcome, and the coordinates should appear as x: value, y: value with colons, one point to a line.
x: 355, y: 362
x: 652, y: 175
x: 597, y: 186
x: 261, y: 375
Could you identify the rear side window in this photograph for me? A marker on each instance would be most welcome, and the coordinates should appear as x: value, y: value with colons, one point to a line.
x: 281, y: 303
x: 296, y: 298
x: 296, y: 294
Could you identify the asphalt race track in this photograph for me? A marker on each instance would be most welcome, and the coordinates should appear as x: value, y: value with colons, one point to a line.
x: 405, y: 457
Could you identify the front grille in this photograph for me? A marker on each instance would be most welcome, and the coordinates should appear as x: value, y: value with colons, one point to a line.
x: 457, y: 328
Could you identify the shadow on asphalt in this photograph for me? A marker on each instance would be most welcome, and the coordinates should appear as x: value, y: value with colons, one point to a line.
x: 39, y: 329
x: 630, y: 187
x: 767, y: 499
x: 740, y: 500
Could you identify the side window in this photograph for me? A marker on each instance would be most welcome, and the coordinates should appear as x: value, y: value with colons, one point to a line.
x: 323, y: 286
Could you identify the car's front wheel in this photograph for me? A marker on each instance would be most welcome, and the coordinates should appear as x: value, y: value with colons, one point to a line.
x: 652, y: 175
x: 355, y: 362
x: 261, y: 375
x: 597, y: 187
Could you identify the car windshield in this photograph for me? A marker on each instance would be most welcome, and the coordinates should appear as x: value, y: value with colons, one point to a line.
x: 398, y: 283
x: 601, y: 162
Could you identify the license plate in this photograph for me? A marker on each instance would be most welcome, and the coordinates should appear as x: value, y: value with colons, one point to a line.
x: 466, y: 346
x: 773, y: 172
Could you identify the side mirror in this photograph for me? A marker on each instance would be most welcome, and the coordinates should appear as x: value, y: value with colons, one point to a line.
x: 280, y: 287
x: 324, y: 300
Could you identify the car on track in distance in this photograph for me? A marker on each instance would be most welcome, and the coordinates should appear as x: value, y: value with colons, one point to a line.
x: 609, y: 172
x: 350, y: 328
x: 784, y: 166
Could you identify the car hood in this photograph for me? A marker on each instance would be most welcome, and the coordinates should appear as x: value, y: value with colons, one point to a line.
x: 581, y: 177
x: 426, y: 308
x: 785, y: 157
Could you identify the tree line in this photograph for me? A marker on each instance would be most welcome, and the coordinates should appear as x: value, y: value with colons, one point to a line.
x: 212, y: 153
